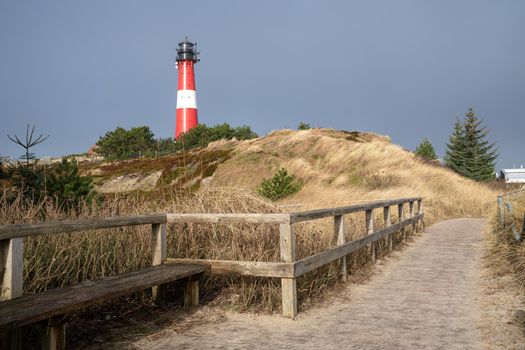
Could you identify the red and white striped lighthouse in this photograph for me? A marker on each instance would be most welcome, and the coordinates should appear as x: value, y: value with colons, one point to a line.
x: 187, y: 56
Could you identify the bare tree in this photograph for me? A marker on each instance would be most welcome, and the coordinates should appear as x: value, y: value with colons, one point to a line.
x: 29, y: 142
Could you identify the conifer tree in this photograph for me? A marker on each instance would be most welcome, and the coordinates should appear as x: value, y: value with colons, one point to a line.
x: 426, y: 150
x: 469, y: 152
x: 480, y: 154
x: 454, y: 157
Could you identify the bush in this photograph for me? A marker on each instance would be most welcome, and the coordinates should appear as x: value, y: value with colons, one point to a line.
x: 67, y: 187
x: 279, y: 186
x: 121, y: 143
x: 28, y: 181
x: 426, y: 150
x: 303, y: 126
x: 202, y: 135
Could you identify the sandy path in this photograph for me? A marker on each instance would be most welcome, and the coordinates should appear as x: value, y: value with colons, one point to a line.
x: 427, y: 298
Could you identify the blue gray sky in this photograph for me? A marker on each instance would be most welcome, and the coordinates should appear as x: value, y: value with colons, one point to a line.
x: 77, y: 69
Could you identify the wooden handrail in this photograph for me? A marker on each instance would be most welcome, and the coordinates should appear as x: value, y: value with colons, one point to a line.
x: 53, y: 227
x: 227, y: 218
x: 323, y: 213
x: 312, y: 262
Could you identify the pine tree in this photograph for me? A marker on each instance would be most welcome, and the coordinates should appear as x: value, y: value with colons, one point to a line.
x: 480, y: 154
x: 469, y: 152
x: 454, y: 157
x: 426, y: 150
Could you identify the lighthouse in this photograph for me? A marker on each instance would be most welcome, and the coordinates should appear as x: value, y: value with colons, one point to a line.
x: 187, y: 56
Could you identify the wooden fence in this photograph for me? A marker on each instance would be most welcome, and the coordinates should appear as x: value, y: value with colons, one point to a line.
x: 288, y: 269
x: 505, y: 206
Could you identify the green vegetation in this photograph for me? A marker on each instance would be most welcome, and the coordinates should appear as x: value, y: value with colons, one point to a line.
x: 469, y: 152
x: 303, y: 126
x: 426, y: 150
x: 140, y: 141
x: 121, y: 143
x: 67, y: 187
x: 31, y: 183
x: 28, y: 182
x: 202, y: 135
x: 280, y: 185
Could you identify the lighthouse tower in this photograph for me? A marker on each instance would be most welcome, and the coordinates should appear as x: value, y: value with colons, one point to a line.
x: 187, y: 56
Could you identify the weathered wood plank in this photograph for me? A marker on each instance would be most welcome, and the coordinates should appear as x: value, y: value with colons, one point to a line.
x: 158, y: 243
x: 401, y: 217
x: 411, y: 207
x: 54, y: 337
x: 322, y: 213
x: 369, y: 221
x: 288, y: 285
x: 242, y: 268
x: 339, y: 232
x: 308, y: 264
x: 159, y: 252
x: 228, y: 218
x: 53, y: 302
x: 11, y: 268
x: 388, y: 222
x: 54, y: 227
x: 191, y: 293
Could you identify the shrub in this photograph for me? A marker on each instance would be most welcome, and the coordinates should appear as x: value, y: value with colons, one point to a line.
x: 67, y: 187
x: 280, y: 185
x: 202, y: 135
x: 121, y: 143
x: 303, y: 126
x: 426, y: 150
x: 28, y: 182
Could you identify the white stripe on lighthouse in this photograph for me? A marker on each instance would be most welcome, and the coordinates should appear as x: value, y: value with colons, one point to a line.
x: 186, y: 99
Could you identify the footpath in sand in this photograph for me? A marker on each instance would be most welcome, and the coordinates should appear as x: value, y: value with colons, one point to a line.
x: 426, y: 298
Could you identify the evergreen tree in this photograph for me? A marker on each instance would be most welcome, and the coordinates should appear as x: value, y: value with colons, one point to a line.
x: 469, y: 152
x: 280, y: 185
x: 121, y: 143
x: 426, y: 150
x: 480, y: 154
x: 67, y: 187
x: 303, y: 126
x: 454, y: 157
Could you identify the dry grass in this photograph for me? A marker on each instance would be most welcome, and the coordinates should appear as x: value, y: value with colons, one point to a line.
x: 508, y: 256
x: 504, y: 282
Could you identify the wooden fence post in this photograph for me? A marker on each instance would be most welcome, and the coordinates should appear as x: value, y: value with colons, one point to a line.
x: 12, y: 277
x: 339, y: 231
x: 369, y: 217
x: 412, y: 213
x: 159, y: 252
x: 501, y: 211
x: 421, y: 224
x: 401, y: 217
x: 388, y: 223
x: 288, y: 285
x: 54, y: 337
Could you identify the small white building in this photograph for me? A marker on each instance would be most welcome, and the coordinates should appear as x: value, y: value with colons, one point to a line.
x: 513, y: 175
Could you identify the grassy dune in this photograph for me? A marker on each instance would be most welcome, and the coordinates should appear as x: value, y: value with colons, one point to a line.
x: 337, y: 168
x: 341, y: 168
